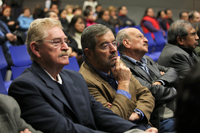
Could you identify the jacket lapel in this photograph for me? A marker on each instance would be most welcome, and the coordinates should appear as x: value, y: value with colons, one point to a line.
x: 56, y: 92
x: 136, y: 70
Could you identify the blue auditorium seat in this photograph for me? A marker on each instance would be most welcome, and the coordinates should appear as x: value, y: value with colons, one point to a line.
x: 21, y: 59
x: 151, y: 42
x: 160, y: 41
x: 73, y: 64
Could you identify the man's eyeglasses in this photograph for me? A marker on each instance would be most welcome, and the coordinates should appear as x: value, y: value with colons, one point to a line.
x: 192, y: 34
x: 57, y: 42
x: 109, y: 45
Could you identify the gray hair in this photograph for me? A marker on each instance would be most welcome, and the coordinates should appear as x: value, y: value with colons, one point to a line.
x: 88, y: 37
x: 121, y: 35
x: 38, y: 31
x: 178, y: 28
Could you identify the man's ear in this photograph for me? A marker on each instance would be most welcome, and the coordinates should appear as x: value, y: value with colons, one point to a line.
x: 126, y: 43
x: 88, y: 53
x: 179, y: 40
x: 34, y: 48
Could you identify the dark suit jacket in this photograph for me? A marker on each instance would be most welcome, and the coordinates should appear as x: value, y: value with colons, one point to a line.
x: 10, y: 120
x: 141, y: 97
x: 164, y: 95
x: 45, y: 107
x: 178, y: 58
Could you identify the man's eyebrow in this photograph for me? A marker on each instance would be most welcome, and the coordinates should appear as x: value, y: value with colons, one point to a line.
x: 107, y: 42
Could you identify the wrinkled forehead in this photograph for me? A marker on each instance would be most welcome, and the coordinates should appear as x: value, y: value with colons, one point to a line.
x: 133, y: 31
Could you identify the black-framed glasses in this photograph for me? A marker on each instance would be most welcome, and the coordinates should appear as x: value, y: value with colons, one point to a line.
x: 192, y: 34
x: 57, y: 42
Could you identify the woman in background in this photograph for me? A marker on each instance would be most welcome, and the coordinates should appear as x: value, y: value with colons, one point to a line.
x: 5, y: 16
x: 75, y: 30
x: 162, y: 21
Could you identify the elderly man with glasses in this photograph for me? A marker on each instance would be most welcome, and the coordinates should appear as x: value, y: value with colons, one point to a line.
x: 110, y: 81
x: 54, y: 100
x: 179, y: 52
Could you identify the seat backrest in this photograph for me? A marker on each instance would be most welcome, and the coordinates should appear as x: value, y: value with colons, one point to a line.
x: 159, y: 38
x: 139, y: 28
x: 3, y: 63
x: 73, y: 64
x: 16, y: 71
x: 20, y: 55
x: 151, y: 42
x: 2, y: 86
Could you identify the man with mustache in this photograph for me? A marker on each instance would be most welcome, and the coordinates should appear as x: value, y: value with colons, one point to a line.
x: 179, y: 53
x: 110, y: 81
x: 133, y: 46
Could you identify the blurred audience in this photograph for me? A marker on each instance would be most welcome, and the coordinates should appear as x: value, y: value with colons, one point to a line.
x: 104, y: 18
x: 194, y: 16
x: 92, y: 3
x: 62, y: 18
x: 69, y: 9
x: 184, y: 16
x: 169, y: 15
x: 6, y: 17
x: 161, y: 17
x: 38, y: 12
x: 77, y: 10
x: 122, y: 15
x: 149, y: 22
x: 114, y: 20
x: 89, y: 15
x: 54, y: 8
x: 25, y: 19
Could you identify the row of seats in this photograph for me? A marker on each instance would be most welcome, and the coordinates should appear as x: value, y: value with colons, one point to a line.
x: 21, y: 61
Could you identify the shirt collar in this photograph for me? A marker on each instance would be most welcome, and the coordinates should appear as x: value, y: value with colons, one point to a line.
x: 143, y: 61
x: 58, y: 77
x: 102, y: 74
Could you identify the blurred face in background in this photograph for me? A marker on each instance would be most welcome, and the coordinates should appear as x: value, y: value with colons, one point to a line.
x: 169, y: 14
x: 7, y: 12
x: 150, y: 12
x: 63, y: 14
x: 162, y: 15
x: 80, y: 25
x: 53, y: 15
x: 184, y: 16
x: 124, y: 10
x: 27, y: 12
x: 106, y: 16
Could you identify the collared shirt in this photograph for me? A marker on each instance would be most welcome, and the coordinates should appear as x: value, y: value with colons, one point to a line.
x: 58, y: 77
x: 142, y: 64
x: 105, y: 77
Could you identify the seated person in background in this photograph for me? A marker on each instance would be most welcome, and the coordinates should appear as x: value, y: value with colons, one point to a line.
x: 104, y: 19
x: 111, y: 82
x: 63, y: 20
x: 89, y: 15
x: 162, y: 21
x: 169, y: 15
x: 54, y: 7
x: 158, y: 79
x: 196, y: 26
x: 57, y: 100
x: 77, y: 10
x: 184, y: 16
x: 70, y: 15
x: 7, y: 39
x: 10, y: 119
x: 25, y: 19
x: 75, y: 29
x: 122, y: 15
x: 149, y: 23
x: 6, y: 17
x: 98, y: 8
x: 114, y: 20
x: 188, y: 102
x: 194, y: 16
x: 179, y: 52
